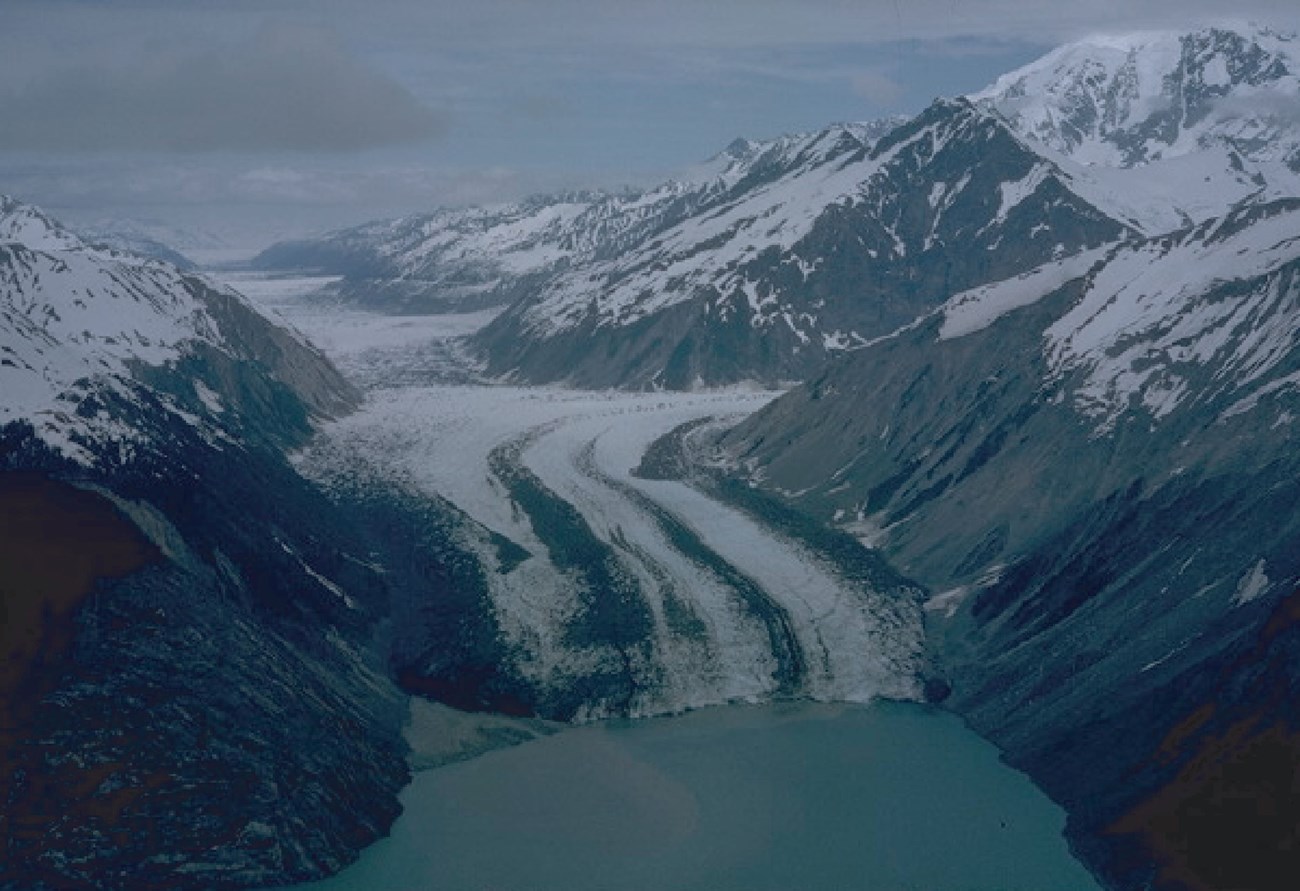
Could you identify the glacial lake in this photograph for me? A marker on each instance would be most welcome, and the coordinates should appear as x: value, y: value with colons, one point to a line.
x: 786, y: 797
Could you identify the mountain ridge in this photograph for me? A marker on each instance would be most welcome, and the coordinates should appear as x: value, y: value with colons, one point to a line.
x: 843, y: 243
x: 80, y: 318
x: 705, y: 281
x: 192, y: 696
x: 1091, y: 467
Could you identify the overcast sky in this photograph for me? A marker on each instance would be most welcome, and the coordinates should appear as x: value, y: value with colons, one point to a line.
x: 260, y: 118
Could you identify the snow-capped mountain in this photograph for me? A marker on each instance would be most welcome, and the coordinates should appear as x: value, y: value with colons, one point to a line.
x: 1092, y: 466
x: 1166, y: 129
x: 816, y: 250
x: 467, y: 258
x: 190, y: 695
x: 758, y: 265
x: 80, y: 320
x: 1133, y: 99
x: 775, y: 256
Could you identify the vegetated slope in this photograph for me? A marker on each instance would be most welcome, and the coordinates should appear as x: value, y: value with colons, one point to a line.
x: 1093, y: 468
x: 191, y: 693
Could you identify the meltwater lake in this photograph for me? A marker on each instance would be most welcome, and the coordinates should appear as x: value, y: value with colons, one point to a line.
x: 793, y: 796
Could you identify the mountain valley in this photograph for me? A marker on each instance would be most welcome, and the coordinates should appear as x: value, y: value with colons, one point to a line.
x: 992, y: 408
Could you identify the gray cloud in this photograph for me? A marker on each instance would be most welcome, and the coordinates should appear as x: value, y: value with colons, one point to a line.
x: 727, y: 24
x: 315, y: 193
x: 247, y: 210
x: 286, y: 88
x: 210, y: 110
x: 877, y: 87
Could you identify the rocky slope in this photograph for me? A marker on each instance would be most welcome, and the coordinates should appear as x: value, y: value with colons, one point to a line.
x: 469, y: 258
x: 1091, y: 468
x: 192, y: 695
x: 814, y: 253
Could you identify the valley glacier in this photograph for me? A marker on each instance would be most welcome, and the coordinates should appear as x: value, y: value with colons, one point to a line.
x: 745, y: 613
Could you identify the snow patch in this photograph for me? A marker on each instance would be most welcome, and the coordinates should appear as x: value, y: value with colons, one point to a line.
x: 1251, y: 586
x: 209, y: 398
x: 1155, y: 310
x: 978, y: 308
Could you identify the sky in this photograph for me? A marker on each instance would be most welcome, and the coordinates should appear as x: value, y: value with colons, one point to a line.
x: 244, y: 121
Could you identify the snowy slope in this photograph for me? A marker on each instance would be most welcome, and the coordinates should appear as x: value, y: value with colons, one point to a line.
x: 824, y: 245
x: 480, y: 256
x: 1210, y: 315
x: 1132, y: 99
x: 1166, y: 128
x: 75, y: 319
x: 708, y: 249
x: 831, y: 169
x: 1204, y: 315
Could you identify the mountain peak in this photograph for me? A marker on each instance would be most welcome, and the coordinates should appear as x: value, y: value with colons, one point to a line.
x: 1130, y: 99
x: 24, y: 224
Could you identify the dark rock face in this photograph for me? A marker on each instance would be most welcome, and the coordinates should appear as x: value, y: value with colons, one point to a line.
x: 1113, y: 594
x: 199, y: 708
x: 277, y: 355
x: 194, y: 693
x: 1224, y: 813
x: 443, y: 641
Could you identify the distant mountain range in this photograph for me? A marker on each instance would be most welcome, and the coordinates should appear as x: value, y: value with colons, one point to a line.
x: 777, y: 256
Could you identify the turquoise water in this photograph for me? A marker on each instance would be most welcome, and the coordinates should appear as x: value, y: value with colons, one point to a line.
x: 761, y: 798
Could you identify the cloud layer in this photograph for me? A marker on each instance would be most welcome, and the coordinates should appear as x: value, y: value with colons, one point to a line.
x: 330, y: 110
x: 286, y: 89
